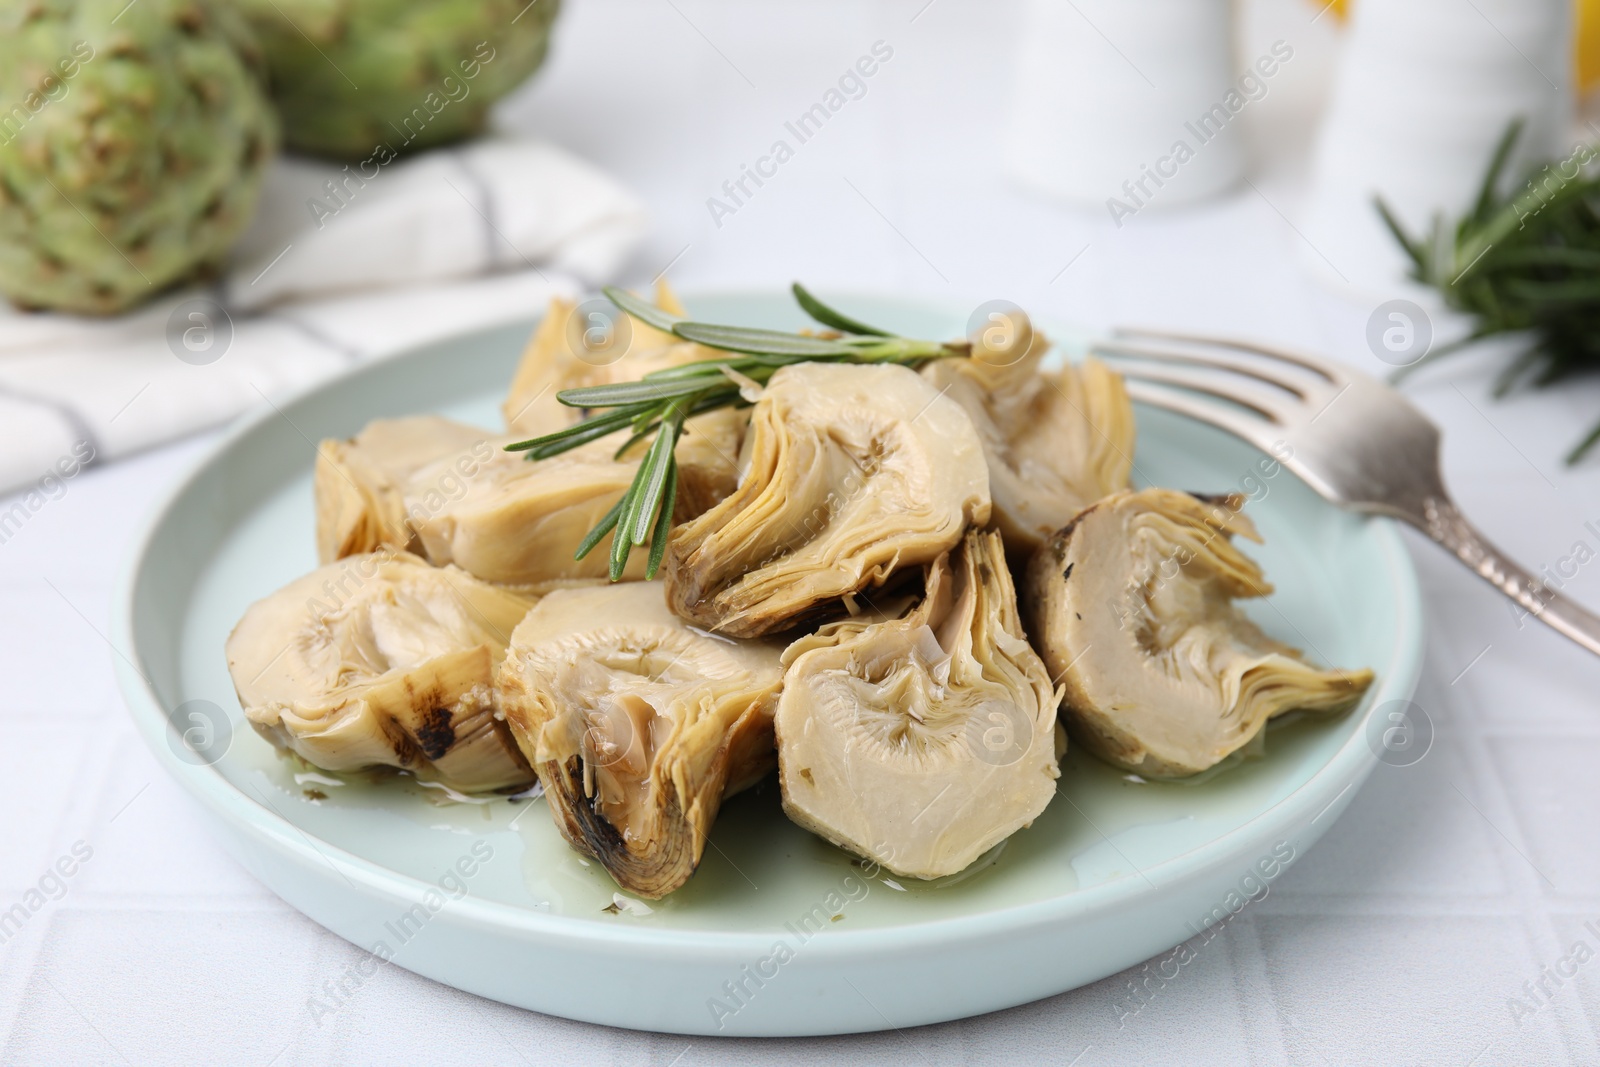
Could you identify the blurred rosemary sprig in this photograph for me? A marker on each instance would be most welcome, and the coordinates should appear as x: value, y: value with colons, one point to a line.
x: 660, y: 402
x: 1525, y: 262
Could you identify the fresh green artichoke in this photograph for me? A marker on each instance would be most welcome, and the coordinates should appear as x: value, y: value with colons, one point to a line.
x: 132, y: 143
x: 370, y: 79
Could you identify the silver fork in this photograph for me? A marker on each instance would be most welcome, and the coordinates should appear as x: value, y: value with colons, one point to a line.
x: 1353, y: 439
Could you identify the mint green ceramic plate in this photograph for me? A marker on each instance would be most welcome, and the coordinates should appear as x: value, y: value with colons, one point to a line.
x: 778, y: 932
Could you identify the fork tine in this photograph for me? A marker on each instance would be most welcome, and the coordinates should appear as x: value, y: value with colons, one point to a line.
x: 1252, y: 431
x: 1329, y: 372
x: 1278, y: 409
x: 1251, y: 368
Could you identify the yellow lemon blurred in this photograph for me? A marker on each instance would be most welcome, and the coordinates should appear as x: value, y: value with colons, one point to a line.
x: 1586, y: 42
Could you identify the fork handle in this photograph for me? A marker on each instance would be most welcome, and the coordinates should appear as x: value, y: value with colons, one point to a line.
x: 1442, y: 521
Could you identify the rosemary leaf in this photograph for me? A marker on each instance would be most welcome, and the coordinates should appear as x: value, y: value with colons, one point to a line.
x: 617, y: 419
x: 1419, y: 261
x: 1484, y: 207
x: 659, y: 463
x: 1548, y: 256
x: 606, y: 525
x: 621, y: 546
x: 638, y: 435
x: 658, y: 540
x: 641, y: 392
x: 833, y: 319
x: 1584, y: 445
x: 1564, y: 291
x: 641, y: 309
x: 760, y: 342
x: 586, y: 431
x: 711, y: 368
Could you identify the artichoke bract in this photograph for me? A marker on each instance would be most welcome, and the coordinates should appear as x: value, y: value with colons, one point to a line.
x: 638, y: 726
x: 853, y: 472
x: 361, y: 483
x: 380, y: 660
x: 1132, y: 607
x: 556, y: 359
x: 1056, y: 441
x: 517, y: 522
x: 370, y: 79
x: 558, y: 356
x: 921, y: 742
x: 448, y: 492
x: 132, y: 143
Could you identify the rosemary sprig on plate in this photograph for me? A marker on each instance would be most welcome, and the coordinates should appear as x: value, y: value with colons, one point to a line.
x: 659, y: 403
x: 1525, y: 262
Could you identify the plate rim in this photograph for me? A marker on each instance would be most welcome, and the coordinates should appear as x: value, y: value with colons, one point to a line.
x: 1347, y: 768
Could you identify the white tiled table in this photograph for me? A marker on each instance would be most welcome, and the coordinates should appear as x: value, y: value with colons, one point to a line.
x: 1400, y: 939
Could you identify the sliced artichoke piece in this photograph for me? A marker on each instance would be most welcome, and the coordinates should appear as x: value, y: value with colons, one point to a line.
x: 360, y: 483
x: 851, y: 473
x: 922, y: 742
x: 708, y: 451
x: 519, y: 523
x: 1056, y: 441
x: 556, y: 359
x: 380, y: 660
x: 1132, y: 607
x: 638, y: 726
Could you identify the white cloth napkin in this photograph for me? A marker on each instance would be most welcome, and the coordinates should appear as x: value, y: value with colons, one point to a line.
x: 405, y: 253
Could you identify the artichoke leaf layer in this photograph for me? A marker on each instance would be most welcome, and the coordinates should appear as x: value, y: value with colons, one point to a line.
x: 921, y: 742
x: 850, y: 473
x: 638, y: 725
x: 1056, y: 441
x: 558, y: 357
x: 381, y: 660
x: 518, y: 522
x: 360, y: 484
x: 1132, y: 604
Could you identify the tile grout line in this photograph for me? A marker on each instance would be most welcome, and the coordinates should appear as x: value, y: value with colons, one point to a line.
x: 77, y: 822
x: 1527, y: 885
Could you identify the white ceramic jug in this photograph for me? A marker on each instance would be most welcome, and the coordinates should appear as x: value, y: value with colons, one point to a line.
x: 1424, y: 92
x: 1127, y: 101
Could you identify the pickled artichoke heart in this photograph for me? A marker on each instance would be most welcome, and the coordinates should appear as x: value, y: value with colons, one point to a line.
x: 360, y: 483
x: 638, y: 726
x: 1132, y: 607
x: 852, y: 473
x: 922, y: 742
x: 570, y: 350
x: 1055, y: 441
x: 380, y: 660
x: 556, y: 359
x: 520, y: 522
